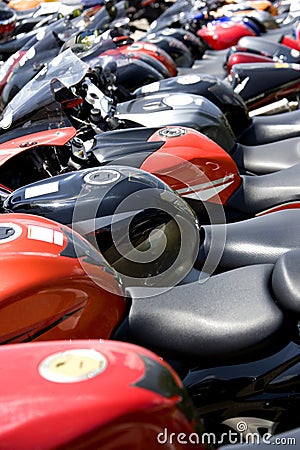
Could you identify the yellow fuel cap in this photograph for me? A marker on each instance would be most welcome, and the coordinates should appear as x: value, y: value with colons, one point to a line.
x: 72, y: 366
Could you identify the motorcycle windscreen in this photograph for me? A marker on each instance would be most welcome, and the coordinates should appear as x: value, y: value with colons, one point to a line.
x: 34, y: 108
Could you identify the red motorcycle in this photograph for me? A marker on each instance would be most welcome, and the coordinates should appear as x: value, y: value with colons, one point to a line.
x: 222, y: 35
x: 261, y: 47
x: 71, y: 396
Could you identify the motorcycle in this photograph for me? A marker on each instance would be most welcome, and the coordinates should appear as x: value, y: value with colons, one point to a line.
x: 54, y: 123
x: 80, y: 384
x: 219, y: 35
x: 37, y: 53
x: 240, y: 97
x: 193, y: 15
x: 217, y: 27
x: 263, y: 47
x: 53, y: 129
x: 193, y: 165
x: 245, y: 372
x: 186, y: 37
x: 30, y: 55
x: 281, y: 81
x: 255, y: 132
x: 250, y: 242
x: 218, y: 180
x: 10, y: 46
x: 280, y: 329
x: 184, y: 324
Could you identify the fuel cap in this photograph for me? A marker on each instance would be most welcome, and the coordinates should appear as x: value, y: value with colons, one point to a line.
x: 172, y: 132
x: 103, y: 176
x: 72, y: 366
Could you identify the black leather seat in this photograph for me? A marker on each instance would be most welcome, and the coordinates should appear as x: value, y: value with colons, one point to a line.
x: 258, y: 193
x: 260, y: 240
x: 286, y: 281
x: 272, y: 128
x: 268, y: 158
x: 230, y: 315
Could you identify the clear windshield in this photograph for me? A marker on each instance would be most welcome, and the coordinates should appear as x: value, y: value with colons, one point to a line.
x: 34, y: 107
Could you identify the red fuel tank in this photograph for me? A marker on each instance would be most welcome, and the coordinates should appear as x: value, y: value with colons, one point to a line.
x: 54, y: 284
x: 193, y: 165
x: 92, y: 395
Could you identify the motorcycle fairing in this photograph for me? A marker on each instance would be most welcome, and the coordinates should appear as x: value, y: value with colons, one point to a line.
x: 34, y: 108
x: 16, y: 146
x: 38, y: 51
x: 35, y: 130
x: 35, y: 157
x: 179, y: 12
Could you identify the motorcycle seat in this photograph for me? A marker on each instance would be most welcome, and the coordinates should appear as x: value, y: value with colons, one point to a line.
x: 267, y: 158
x: 286, y: 281
x: 228, y: 316
x: 259, y: 193
x: 267, y: 129
x: 260, y: 240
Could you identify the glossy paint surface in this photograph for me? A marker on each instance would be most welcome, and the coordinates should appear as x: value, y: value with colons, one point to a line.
x: 50, y: 137
x: 193, y: 165
x: 47, y: 291
x: 223, y: 35
x: 86, y: 394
